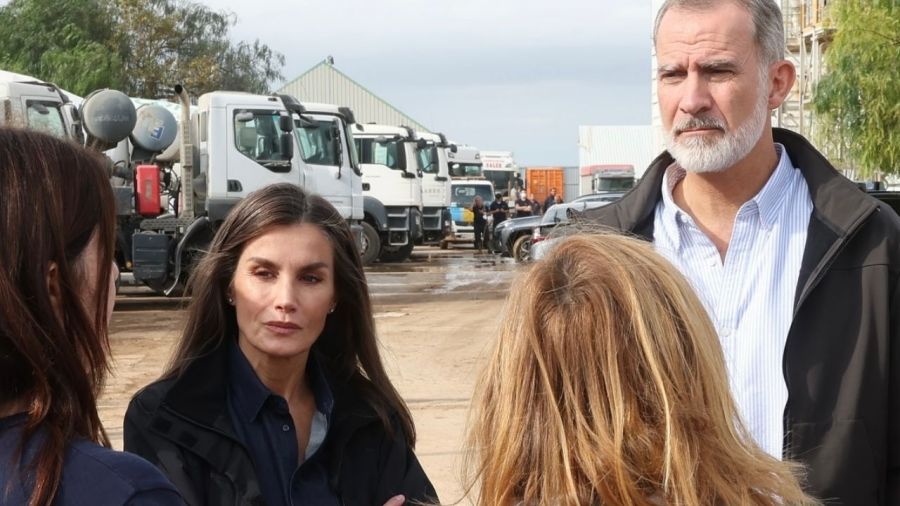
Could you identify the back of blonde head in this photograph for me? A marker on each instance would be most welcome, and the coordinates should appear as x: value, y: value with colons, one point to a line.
x: 608, y: 386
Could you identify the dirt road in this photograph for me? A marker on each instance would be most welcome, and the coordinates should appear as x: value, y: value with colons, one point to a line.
x: 433, y: 351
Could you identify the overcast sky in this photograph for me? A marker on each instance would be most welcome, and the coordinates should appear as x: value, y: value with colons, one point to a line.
x: 517, y: 75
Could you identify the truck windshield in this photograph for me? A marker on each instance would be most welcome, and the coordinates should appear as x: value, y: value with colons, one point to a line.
x: 504, y: 180
x: 425, y: 157
x: 46, y: 117
x: 318, y: 141
x: 464, y: 194
x: 613, y: 184
x: 389, y: 154
x: 466, y: 170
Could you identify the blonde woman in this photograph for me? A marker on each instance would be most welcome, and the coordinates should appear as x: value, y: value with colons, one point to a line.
x: 607, y: 386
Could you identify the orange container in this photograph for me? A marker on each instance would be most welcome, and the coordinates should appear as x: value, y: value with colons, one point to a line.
x: 539, y: 180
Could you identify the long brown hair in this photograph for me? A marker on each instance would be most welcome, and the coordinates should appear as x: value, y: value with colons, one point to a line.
x: 607, y: 385
x: 347, y: 344
x: 54, y: 197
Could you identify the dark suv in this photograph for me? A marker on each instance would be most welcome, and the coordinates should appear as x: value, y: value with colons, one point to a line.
x: 888, y: 197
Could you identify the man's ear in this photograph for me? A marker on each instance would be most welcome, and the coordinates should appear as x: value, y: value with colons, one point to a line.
x: 54, y: 289
x: 782, y: 75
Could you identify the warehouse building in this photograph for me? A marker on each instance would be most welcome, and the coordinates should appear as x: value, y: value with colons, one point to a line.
x: 325, y: 83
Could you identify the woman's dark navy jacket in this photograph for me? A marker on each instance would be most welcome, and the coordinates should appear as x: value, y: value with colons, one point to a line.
x: 183, y: 426
x: 91, y: 475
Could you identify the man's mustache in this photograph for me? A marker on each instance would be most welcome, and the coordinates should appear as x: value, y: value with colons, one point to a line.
x: 698, y: 122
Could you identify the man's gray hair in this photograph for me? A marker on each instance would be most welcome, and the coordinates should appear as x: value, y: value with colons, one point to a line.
x: 767, y: 23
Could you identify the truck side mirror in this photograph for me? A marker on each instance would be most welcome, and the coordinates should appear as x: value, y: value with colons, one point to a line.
x: 434, y: 156
x: 453, y: 148
x: 338, y: 146
x: 421, y: 144
x: 285, y: 123
x: 287, y: 145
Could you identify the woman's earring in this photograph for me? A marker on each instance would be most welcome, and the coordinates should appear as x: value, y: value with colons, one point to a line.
x: 230, y: 301
x: 332, y: 309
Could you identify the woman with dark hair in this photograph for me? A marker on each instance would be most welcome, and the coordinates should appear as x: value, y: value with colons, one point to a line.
x: 57, y: 221
x: 276, y: 392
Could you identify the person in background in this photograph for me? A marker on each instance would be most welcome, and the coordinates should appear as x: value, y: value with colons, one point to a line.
x: 276, y: 393
x: 498, y: 209
x: 607, y: 385
x: 551, y: 200
x: 57, y: 289
x: 797, y: 268
x: 523, y: 206
x: 535, y: 205
x: 479, y: 212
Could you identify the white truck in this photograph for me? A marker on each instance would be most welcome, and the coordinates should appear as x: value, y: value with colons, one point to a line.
x: 499, y: 167
x: 238, y: 143
x: 467, y: 182
x: 29, y: 103
x: 436, y: 220
x: 392, y: 190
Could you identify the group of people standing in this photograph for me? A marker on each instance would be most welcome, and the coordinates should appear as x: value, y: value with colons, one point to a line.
x: 500, y: 211
x: 736, y: 346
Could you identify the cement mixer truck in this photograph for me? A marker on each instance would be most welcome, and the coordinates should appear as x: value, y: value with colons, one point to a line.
x: 231, y: 145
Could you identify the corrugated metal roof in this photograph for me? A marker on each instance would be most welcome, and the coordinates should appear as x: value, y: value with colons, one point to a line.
x: 325, y: 83
x: 625, y: 145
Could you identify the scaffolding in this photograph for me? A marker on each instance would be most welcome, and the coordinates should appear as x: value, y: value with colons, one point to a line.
x: 807, y: 33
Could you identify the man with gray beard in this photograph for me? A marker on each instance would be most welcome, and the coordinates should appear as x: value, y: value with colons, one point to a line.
x: 797, y: 268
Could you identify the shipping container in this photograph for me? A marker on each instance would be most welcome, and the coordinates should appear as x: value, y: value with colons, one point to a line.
x: 539, y: 180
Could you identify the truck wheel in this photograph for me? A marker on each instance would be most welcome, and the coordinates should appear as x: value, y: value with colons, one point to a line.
x: 397, y: 255
x: 371, y: 244
x: 522, y: 248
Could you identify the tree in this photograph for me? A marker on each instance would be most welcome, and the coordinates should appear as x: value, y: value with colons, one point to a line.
x: 858, y: 99
x: 167, y: 41
x: 68, y: 43
x: 140, y: 47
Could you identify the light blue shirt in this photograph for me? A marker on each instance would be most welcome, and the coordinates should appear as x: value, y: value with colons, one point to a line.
x: 749, y: 295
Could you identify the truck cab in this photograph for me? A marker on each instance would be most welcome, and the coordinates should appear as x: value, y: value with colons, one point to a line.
x: 499, y: 167
x: 467, y: 181
x: 244, y: 144
x: 241, y: 142
x: 435, y: 186
x: 40, y: 106
x: 392, y: 189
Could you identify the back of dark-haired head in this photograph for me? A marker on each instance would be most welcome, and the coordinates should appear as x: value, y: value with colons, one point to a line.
x: 347, y: 344
x: 55, y: 197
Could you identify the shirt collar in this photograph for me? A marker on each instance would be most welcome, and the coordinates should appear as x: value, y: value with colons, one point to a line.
x: 771, y: 197
x: 769, y: 200
x: 672, y: 214
x: 250, y: 395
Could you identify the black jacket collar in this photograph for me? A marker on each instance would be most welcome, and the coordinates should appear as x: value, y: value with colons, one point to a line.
x: 199, y: 395
x: 839, y: 207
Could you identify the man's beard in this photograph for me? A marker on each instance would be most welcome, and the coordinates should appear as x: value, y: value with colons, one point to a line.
x: 701, y: 154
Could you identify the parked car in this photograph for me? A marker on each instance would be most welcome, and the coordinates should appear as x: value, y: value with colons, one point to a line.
x: 555, y: 223
x: 890, y: 198
x: 513, y: 237
x: 599, y: 197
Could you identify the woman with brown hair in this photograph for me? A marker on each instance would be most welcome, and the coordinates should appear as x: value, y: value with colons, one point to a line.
x: 276, y: 393
x: 57, y: 222
x: 608, y: 386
